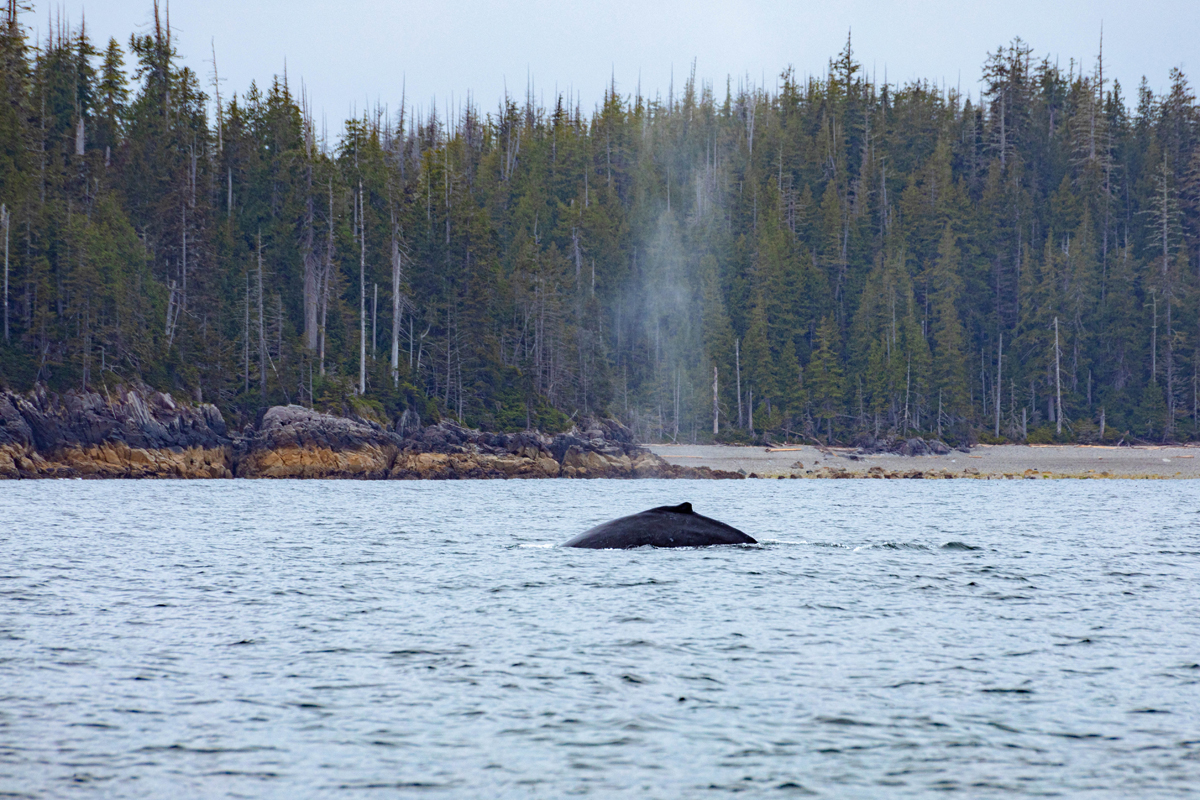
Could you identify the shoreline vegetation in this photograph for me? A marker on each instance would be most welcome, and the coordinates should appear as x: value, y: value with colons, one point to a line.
x: 826, y: 257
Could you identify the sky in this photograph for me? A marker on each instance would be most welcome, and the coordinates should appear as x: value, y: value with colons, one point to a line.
x: 358, y: 53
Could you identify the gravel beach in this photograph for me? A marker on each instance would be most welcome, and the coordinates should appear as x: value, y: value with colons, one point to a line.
x: 984, y: 461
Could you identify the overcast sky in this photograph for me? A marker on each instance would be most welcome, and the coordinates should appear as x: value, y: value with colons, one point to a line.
x: 357, y: 52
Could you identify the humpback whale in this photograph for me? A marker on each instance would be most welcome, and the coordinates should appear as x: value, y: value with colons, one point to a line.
x: 665, y: 526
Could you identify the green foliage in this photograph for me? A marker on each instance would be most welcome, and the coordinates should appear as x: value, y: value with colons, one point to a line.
x: 1041, y: 435
x: 855, y: 257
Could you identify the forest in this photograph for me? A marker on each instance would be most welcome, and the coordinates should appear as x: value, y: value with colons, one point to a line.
x: 830, y: 258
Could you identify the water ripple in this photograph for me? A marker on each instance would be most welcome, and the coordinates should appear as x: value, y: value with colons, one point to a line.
x: 381, y: 639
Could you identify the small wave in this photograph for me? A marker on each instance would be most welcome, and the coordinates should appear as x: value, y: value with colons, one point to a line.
x: 892, y: 546
x: 959, y: 546
x: 631, y: 584
x: 400, y: 785
x: 183, y: 748
x: 538, y: 546
x: 845, y: 721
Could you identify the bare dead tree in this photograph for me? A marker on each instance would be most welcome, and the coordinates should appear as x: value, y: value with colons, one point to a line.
x: 1057, y: 383
x: 737, y: 362
x: 6, y: 220
x: 397, y: 275
x: 999, y: 383
x: 246, y: 341
x: 326, y: 278
x: 716, y: 406
x: 311, y: 269
x: 262, y: 333
x: 362, y: 295
x: 217, y: 94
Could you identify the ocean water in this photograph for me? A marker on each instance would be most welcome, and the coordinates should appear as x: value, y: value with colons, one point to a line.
x: 345, y: 639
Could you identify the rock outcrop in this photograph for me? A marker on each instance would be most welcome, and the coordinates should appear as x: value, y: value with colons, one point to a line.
x: 297, y: 442
x: 135, y: 434
x: 138, y: 433
x: 594, y: 449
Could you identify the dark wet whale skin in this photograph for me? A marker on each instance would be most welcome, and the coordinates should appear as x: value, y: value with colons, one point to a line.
x: 665, y: 526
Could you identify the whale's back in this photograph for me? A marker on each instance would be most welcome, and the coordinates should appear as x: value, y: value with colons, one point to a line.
x: 665, y: 526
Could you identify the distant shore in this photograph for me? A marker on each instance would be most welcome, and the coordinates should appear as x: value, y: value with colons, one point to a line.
x: 136, y: 432
x: 984, y: 461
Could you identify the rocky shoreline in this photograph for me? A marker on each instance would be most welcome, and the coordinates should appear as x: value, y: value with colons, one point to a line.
x: 139, y: 433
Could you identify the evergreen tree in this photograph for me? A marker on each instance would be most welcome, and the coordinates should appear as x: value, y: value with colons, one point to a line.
x: 824, y: 378
x: 864, y: 258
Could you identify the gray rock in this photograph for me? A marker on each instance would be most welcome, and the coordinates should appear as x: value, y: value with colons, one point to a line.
x: 280, y: 427
x: 136, y: 417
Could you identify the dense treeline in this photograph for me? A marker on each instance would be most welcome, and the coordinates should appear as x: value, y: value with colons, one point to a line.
x: 837, y: 257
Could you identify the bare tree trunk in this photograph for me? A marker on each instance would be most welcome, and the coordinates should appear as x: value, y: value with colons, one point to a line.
x: 87, y: 344
x: 311, y: 279
x: 362, y: 296
x: 1057, y: 383
x: 1012, y: 404
x: 448, y: 362
x: 327, y: 276
x: 183, y: 267
x: 999, y: 356
x: 217, y: 93
x: 1154, y: 339
x: 246, y: 342
x: 395, y: 309
x: 907, y: 393
x: 262, y: 334
x: 374, y: 320
x: 278, y: 330
x: 716, y: 406
x: 171, y: 314
x: 939, y: 416
x: 1169, y: 428
x: 737, y: 361
x: 6, y: 218
x: 675, y: 424
x: 983, y: 392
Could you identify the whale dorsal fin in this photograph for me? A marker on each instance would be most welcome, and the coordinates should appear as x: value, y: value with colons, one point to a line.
x: 682, y: 508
